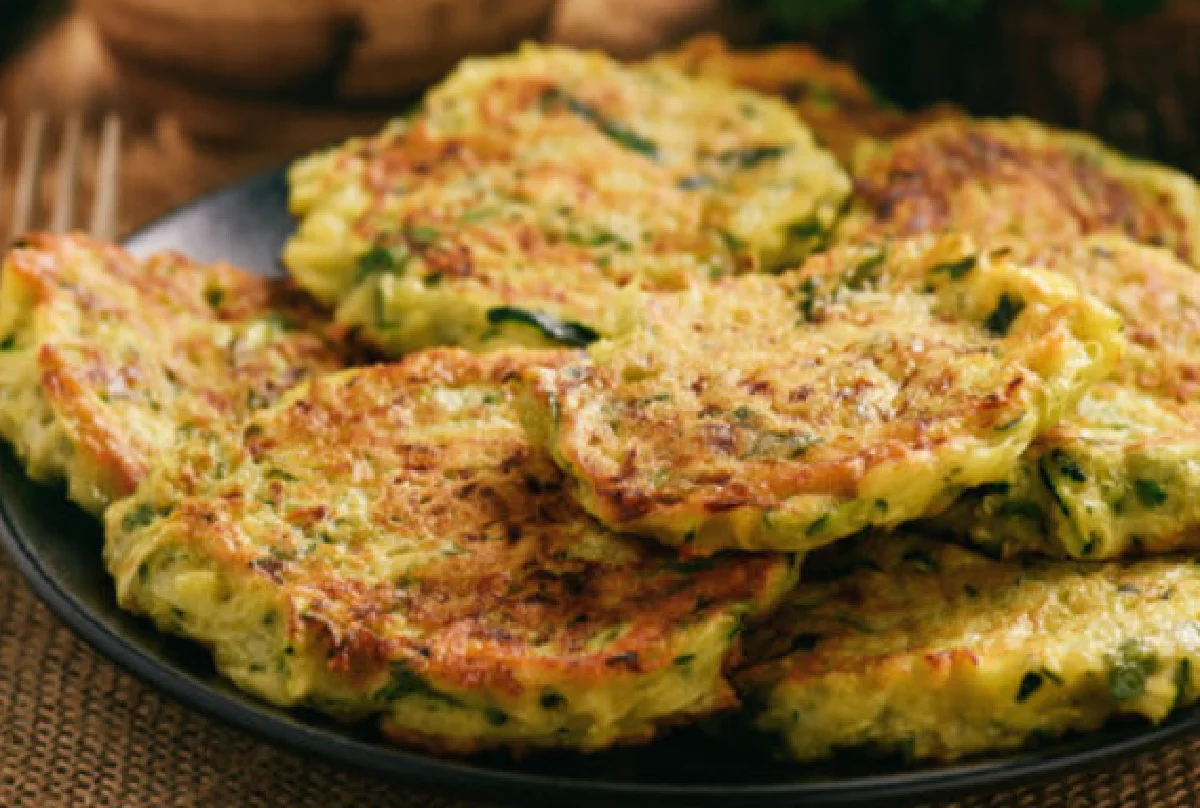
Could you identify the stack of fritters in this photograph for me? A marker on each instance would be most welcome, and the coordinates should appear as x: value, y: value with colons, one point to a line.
x: 692, y: 358
x: 388, y: 541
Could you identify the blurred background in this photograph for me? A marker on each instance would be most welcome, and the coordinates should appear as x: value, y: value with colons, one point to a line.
x: 216, y: 90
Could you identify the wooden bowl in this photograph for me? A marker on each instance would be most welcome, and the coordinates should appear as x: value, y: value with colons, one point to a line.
x: 324, y: 50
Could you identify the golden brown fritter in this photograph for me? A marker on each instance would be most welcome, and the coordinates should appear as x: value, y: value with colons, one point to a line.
x: 533, y: 187
x: 1000, y: 179
x: 929, y: 650
x: 387, y: 541
x: 785, y: 412
x: 106, y: 360
x: 1122, y: 474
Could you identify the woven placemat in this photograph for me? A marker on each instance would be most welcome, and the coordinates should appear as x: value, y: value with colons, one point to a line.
x: 76, y: 732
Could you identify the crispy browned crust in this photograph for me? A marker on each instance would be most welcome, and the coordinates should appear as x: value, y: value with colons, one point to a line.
x: 734, y: 480
x: 97, y: 432
x: 1017, y: 179
x: 761, y: 412
x: 507, y: 595
x: 1156, y: 295
x: 552, y: 181
x: 905, y: 644
x: 501, y: 481
x: 128, y: 350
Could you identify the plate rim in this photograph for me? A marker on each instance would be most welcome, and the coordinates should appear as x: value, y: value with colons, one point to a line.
x: 428, y: 772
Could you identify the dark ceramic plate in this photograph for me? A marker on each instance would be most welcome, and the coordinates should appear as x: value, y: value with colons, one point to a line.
x: 58, y: 549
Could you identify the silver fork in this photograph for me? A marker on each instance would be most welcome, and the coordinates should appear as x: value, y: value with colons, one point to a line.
x: 27, y: 189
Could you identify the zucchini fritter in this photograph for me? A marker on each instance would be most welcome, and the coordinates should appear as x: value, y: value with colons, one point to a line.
x: 837, y: 104
x: 387, y: 541
x: 930, y: 650
x: 785, y: 412
x: 105, y: 360
x: 1019, y: 179
x: 531, y: 188
x: 1122, y: 474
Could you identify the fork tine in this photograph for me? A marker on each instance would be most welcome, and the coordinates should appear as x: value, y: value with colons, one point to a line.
x: 26, y: 194
x: 67, y: 171
x: 3, y: 130
x: 104, y: 207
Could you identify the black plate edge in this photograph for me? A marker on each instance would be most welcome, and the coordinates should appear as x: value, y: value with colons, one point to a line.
x: 464, y: 779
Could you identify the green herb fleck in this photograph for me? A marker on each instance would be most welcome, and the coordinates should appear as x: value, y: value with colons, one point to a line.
x: 140, y: 516
x: 1007, y: 310
x: 1030, y: 684
x: 280, y: 474
x: 1052, y: 676
x: 867, y: 272
x: 818, y: 524
x: 805, y: 641
x: 598, y: 239
x: 698, y: 564
x: 778, y: 443
x: 551, y: 699
x: 694, y: 182
x: 1150, y: 492
x: 283, y: 322
x: 807, y: 229
x: 956, y: 270
x: 752, y: 156
x: 1068, y: 466
x: 618, y: 132
x: 404, y: 682
x: 732, y: 243
x: 381, y: 313
x: 381, y: 260
x: 214, y: 297
x: 1009, y: 424
x: 476, y: 215
x: 1127, y: 677
x: 565, y: 332
x: 1046, y: 475
x: 421, y: 235
x: 808, y: 300
x: 1183, y: 682
x: 9, y: 343
x: 684, y: 659
x: 496, y: 717
x: 988, y: 489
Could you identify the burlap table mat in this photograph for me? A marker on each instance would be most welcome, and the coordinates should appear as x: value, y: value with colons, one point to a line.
x: 79, y: 733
